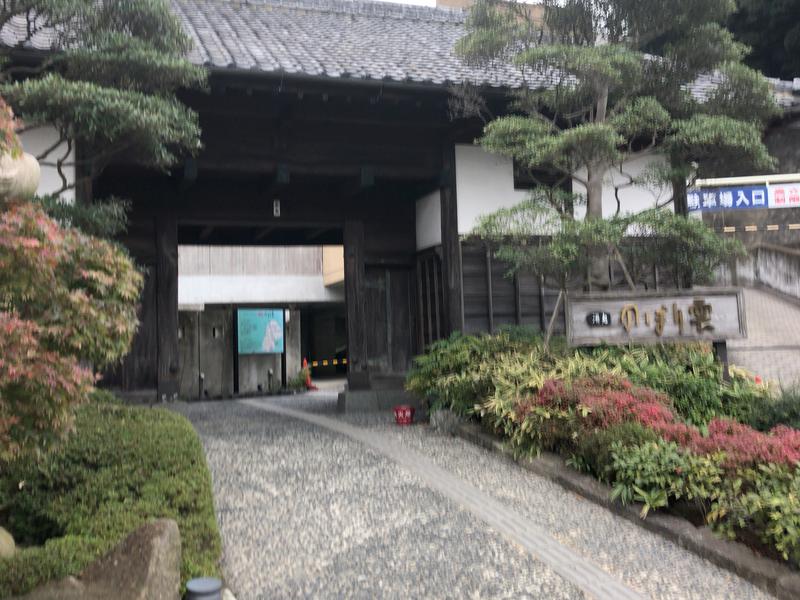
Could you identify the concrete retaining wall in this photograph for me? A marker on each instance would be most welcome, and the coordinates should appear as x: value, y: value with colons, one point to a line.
x: 775, y: 267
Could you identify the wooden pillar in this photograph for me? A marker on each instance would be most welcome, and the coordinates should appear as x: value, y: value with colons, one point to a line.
x: 451, y: 243
x: 357, y: 373
x: 167, y: 305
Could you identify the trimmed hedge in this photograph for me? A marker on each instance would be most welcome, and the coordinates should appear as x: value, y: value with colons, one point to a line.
x: 122, y: 467
x: 464, y: 371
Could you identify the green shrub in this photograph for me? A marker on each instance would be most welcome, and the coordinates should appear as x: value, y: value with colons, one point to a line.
x: 595, y: 449
x: 656, y: 473
x: 766, y: 501
x: 457, y: 373
x: 784, y: 410
x: 690, y: 376
x: 124, y: 466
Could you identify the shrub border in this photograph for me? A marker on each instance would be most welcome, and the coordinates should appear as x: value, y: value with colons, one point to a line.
x: 766, y: 574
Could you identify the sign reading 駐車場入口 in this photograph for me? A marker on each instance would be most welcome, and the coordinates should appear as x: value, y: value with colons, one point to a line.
x: 774, y: 195
x: 648, y: 318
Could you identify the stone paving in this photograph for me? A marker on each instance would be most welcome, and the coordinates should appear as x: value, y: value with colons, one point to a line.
x: 772, y: 347
x: 314, y: 504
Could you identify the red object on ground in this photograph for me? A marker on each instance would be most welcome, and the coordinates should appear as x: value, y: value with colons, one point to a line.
x: 309, y: 385
x: 404, y: 414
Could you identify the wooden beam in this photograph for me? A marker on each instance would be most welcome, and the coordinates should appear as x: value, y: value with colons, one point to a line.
x: 167, y: 305
x: 315, y: 233
x: 357, y: 372
x: 262, y: 233
x: 451, y: 243
x: 279, y: 181
x: 364, y: 180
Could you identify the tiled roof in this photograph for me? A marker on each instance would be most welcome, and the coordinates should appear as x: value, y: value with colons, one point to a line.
x: 334, y: 38
x: 345, y: 39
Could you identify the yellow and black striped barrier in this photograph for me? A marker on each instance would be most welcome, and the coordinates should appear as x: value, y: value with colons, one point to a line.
x: 753, y: 228
x: 332, y: 362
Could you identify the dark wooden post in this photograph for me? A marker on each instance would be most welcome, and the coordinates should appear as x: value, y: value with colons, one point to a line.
x: 721, y: 354
x: 357, y: 373
x: 451, y: 243
x: 167, y: 305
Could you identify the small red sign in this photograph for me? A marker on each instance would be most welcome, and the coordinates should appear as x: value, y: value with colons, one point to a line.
x: 780, y: 196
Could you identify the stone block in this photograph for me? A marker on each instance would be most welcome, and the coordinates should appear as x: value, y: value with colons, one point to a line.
x: 144, y: 566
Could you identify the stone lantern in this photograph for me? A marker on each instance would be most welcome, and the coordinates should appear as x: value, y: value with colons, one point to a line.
x: 19, y: 176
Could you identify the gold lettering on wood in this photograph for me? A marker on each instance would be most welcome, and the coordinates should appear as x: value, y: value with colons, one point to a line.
x: 629, y: 317
x: 700, y: 312
x: 661, y: 319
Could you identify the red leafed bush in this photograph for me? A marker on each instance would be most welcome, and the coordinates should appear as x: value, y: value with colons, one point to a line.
x: 67, y: 300
x: 605, y: 401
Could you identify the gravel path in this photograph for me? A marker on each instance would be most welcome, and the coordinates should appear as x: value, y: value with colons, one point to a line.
x: 308, y: 512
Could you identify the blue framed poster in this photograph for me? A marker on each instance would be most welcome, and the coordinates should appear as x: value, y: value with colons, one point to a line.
x: 260, y: 330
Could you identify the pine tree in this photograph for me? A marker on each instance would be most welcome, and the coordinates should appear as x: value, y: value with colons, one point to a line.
x: 107, y: 83
x: 607, y: 79
x: 597, y: 92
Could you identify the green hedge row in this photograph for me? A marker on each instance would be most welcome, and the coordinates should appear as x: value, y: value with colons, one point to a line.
x: 122, y: 467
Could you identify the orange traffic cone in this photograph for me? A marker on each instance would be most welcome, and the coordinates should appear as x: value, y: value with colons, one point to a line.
x: 309, y: 385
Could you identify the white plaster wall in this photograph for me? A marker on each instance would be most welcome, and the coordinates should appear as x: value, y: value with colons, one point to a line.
x: 429, y: 220
x: 37, y: 141
x: 634, y: 199
x: 254, y: 289
x: 484, y: 183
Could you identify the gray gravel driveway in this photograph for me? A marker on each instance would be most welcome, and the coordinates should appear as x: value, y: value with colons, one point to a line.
x: 308, y: 512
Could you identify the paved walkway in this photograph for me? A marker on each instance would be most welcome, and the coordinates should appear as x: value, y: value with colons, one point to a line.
x: 772, y: 347
x: 314, y: 504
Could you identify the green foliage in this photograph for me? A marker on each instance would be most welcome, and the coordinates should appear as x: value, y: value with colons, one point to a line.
x: 597, y: 90
x: 457, y: 373
x: 298, y: 382
x: 125, y: 467
x: 601, y: 409
x: 657, y: 473
x: 687, y: 248
x: 595, y: 448
x: 715, y: 138
x: 690, y: 376
x: 67, y: 300
x: 105, y: 219
x: 765, y: 500
x: 149, y: 127
x: 110, y: 82
x: 783, y: 410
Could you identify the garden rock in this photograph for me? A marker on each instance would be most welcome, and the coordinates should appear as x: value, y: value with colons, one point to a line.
x: 445, y: 421
x: 144, y: 566
x: 7, y: 546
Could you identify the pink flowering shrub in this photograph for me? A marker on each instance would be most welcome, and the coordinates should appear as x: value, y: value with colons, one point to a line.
x: 67, y: 301
x: 601, y: 402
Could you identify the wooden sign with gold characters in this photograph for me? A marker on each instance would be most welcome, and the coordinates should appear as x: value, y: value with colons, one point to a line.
x: 710, y: 314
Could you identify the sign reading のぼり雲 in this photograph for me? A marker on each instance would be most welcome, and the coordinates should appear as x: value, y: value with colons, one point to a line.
x: 259, y: 331
x: 649, y: 318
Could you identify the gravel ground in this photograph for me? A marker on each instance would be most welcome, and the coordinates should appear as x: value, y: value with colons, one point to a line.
x: 305, y: 512
x: 308, y: 513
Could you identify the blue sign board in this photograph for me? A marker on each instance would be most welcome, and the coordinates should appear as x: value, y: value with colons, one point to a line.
x: 728, y: 198
x: 260, y: 330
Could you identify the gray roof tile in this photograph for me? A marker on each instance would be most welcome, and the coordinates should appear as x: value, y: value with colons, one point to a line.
x: 342, y: 39
x: 334, y: 38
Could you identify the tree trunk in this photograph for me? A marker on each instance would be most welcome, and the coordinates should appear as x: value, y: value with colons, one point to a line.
x: 598, y: 276
x: 679, y: 196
